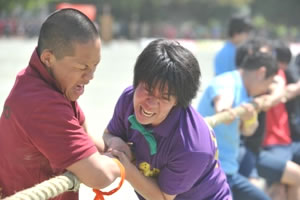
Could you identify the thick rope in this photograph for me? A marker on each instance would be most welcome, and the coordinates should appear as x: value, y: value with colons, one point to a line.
x: 49, y: 188
x: 221, y: 117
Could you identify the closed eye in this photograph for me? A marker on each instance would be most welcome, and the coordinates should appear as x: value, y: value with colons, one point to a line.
x: 82, y: 67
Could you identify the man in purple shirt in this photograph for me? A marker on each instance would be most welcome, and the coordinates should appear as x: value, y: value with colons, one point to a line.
x: 175, y: 151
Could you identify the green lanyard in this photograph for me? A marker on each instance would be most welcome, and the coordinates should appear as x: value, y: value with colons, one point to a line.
x: 147, y: 134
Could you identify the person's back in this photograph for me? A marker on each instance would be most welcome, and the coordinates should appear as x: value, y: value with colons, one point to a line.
x: 238, y: 29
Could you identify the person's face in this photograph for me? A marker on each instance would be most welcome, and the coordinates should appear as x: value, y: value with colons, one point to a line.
x: 72, y: 73
x: 152, y: 108
x: 241, y: 37
x: 260, y: 84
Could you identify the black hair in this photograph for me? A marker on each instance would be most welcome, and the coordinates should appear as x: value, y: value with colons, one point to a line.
x: 62, y: 28
x: 252, y: 44
x: 283, y: 52
x: 255, y: 60
x: 166, y: 62
x: 239, y: 24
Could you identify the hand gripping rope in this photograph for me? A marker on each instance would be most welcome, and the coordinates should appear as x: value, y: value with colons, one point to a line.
x: 100, y: 194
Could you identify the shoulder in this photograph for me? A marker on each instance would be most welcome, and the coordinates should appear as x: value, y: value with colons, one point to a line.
x: 227, y: 48
x: 125, y: 100
x: 195, y: 133
x: 223, y: 81
x: 127, y: 94
x: 30, y: 95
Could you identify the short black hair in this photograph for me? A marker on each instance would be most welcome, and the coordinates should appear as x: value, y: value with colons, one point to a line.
x: 239, y: 24
x: 62, y: 28
x: 283, y: 52
x: 257, y: 59
x: 252, y: 44
x: 166, y: 62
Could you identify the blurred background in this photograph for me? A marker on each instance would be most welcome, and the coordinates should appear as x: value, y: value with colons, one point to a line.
x: 126, y: 26
x: 134, y: 19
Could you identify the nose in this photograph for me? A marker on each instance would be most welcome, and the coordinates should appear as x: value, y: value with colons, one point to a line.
x: 152, y: 101
x: 89, y: 75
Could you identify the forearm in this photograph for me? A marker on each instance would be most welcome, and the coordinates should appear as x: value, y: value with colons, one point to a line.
x: 276, y: 93
x: 249, y: 124
x: 145, y: 186
x: 292, y: 90
x: 106, y: 138
x: 113, y: 142
x: 96, y: 171
x: 248, y: 129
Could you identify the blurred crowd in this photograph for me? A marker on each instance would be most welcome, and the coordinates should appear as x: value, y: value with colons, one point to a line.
x: 27, y: 24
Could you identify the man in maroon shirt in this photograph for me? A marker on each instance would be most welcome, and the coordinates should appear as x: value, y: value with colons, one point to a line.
x: 42, y: 131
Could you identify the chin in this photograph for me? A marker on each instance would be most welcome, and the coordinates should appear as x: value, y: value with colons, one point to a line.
x: 141, y: 121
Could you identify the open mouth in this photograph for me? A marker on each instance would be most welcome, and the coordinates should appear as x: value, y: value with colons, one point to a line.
x: 80, y: 88
x: 147, y: 113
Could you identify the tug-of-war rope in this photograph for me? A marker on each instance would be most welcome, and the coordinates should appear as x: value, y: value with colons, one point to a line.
x: 69, y: 182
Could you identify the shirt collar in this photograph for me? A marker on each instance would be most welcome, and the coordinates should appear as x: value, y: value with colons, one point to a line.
x: 36, y: 64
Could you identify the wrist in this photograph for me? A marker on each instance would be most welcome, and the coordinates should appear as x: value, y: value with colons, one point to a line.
x: 250, y: 122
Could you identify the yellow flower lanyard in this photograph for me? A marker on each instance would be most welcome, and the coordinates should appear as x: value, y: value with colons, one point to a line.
x: 100, y: 194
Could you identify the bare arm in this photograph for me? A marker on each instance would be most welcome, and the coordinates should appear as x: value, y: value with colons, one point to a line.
x: 292, y: 90
x: 96, y: 171
x: 113, y: 142
x: 276, y: 93
x: 224, y: 103
x: 145, y: 186
x: 249, y: 121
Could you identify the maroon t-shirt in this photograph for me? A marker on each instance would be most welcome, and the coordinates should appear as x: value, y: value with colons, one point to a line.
x: 41, y: 132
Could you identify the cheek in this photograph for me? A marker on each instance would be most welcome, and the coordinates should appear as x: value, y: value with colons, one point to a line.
x: 165, y: 108
x: 136, y: 100
x: 139, y: 96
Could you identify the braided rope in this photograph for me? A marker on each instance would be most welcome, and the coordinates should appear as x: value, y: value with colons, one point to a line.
x: 221, y: 117
x: 49, y: 188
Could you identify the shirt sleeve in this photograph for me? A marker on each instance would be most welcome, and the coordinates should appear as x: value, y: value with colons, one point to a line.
x: 57, y: 133
x: 119, y: 122
x: 183, y: 171
x: 116, y: 125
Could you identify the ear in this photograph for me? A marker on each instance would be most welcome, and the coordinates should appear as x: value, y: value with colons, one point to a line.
x: 47, y: 57
x: 261, y: 73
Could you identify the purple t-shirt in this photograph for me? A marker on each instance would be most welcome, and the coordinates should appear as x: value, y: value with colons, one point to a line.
x: 186, y: 160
